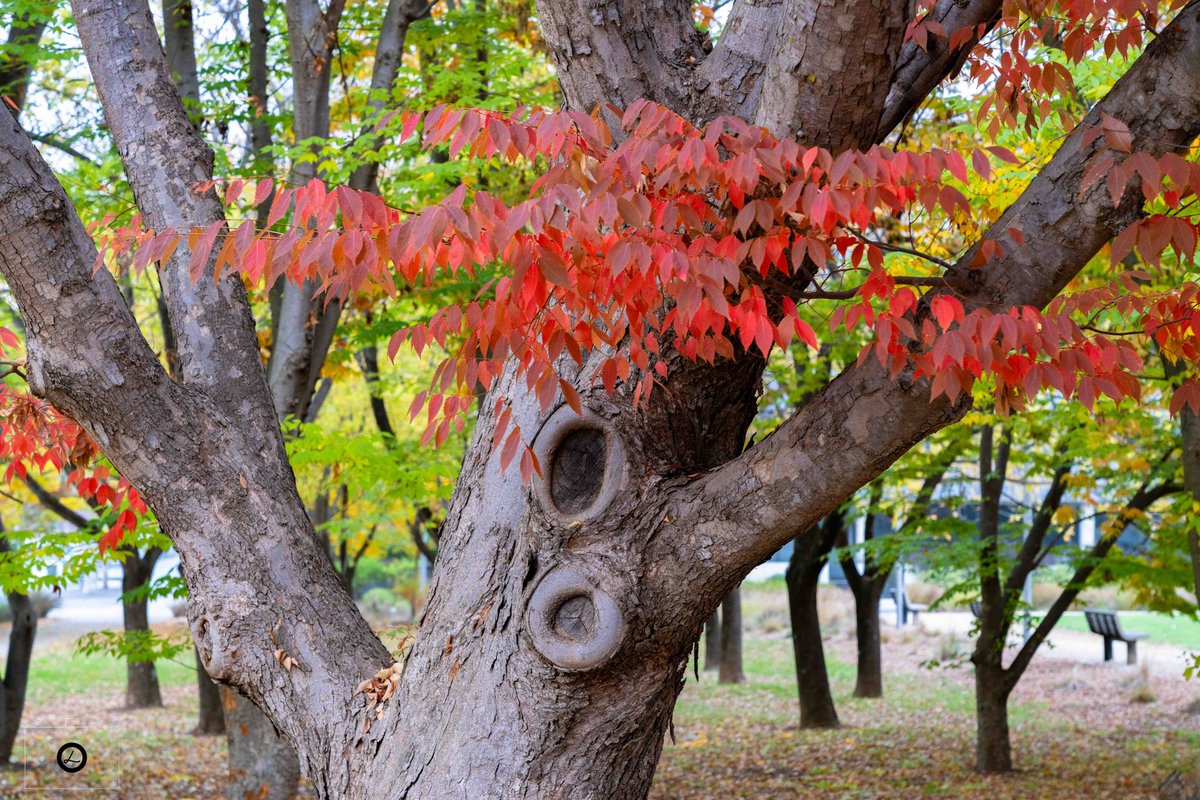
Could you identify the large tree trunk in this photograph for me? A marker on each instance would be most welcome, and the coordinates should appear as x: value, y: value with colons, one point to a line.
x: 554, y: 644
x: 210, y: 720
x: 141, y: 685
x: 730, y: 667
x: 810, y: 550
x: 262, y: 765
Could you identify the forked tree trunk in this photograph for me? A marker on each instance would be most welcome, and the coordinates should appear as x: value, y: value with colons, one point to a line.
x: 210, y: 719
x: 562, y: 614
x: 262, y: 765
x: 730, y: 669
x: 712, y: 642
x: 141, y: 685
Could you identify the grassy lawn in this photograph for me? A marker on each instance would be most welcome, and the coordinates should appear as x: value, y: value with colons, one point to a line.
x: 917, y: 742
x: 730, y: 741
x: 59, y: 670
x: 1163, y: 628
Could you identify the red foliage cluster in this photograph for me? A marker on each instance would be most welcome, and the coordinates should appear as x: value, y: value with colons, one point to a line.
x: 1025, y: 90
x: 695, y: 241
x: 35, y: 434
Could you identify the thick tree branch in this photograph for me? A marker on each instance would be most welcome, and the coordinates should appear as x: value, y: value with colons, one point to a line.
x: 51, y: 503
x: 164, y: 159
x: 863, y: 420
x: 212, y: 466
x: 920, y: 69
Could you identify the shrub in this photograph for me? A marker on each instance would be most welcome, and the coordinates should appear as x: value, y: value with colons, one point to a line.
x: 44, y: 603
x: 1142, y: 689
x: 924, y: 593
x: 765, y: 608
x: 835, y: 608
x: 949, y: 645
x: 383, y: 605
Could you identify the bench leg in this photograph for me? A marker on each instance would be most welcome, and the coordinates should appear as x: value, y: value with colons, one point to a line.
x: 1131, y: 652
x: 1107, y: 649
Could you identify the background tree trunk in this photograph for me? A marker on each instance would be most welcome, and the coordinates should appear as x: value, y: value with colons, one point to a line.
x: 810, y: 550
x: 730, y: 670
x: 210, y: 719
x: 712, y: 642
x: 262, y: 765
x: 141, y: 686
x: 869, y: 680
x: 16, y: 667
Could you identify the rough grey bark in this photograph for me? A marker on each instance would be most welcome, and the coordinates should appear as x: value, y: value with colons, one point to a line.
x: 141, y: 677
x: 21, y: 636
x: 543, y: 666
x: 919, y: 68
x: 821, y: 38
x: 729, y: 668
x: 811, y: 549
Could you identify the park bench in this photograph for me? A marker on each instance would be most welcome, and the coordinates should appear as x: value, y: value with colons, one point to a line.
x: 1104, y: 623
x: 911, y: 609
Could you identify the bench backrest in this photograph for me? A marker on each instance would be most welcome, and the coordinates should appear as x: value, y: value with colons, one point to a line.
x: 1103, y: 622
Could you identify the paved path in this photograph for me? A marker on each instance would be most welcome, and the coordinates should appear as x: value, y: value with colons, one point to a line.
x: 82, y: 612
x: 1086, y: 648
